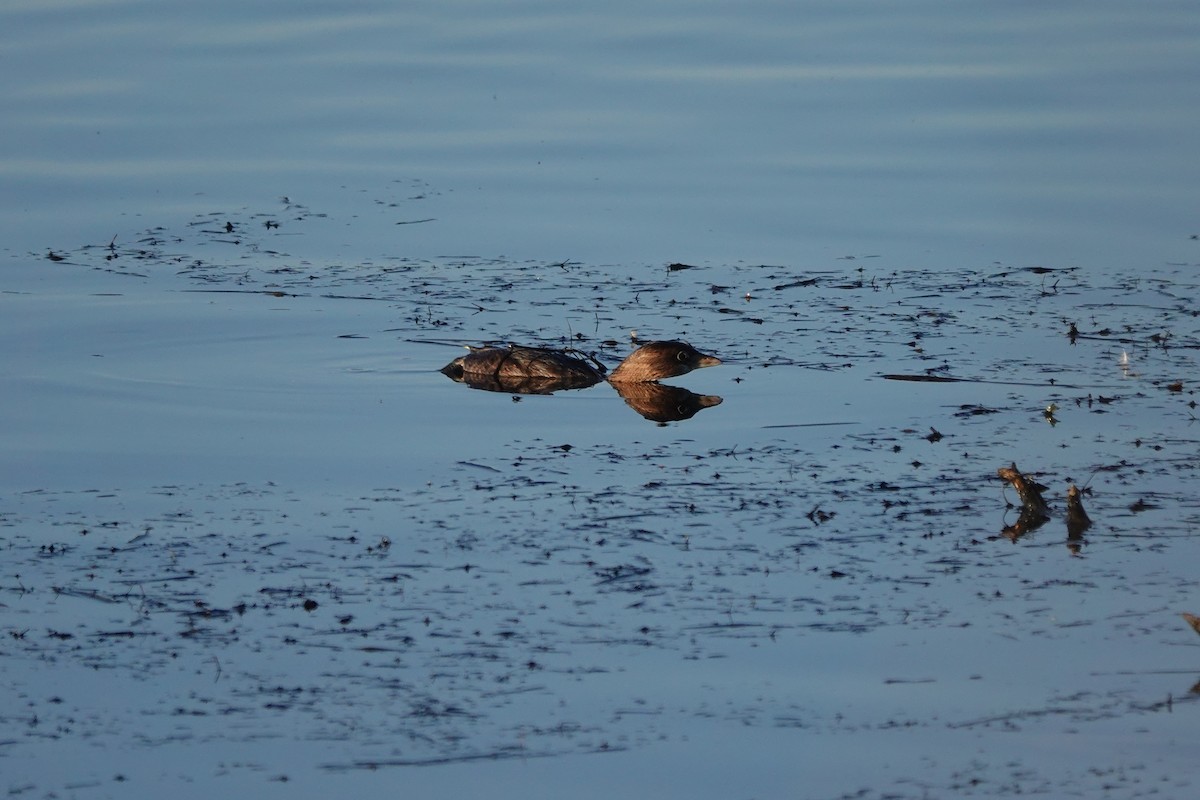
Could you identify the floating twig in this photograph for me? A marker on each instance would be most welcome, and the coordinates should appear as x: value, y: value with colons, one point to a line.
x: 1077, y: 519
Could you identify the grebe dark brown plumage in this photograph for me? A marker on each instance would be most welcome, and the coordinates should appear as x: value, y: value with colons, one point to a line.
x: 524, y: 362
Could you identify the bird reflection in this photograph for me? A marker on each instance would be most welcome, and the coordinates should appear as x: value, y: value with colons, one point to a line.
x: 658, y: 402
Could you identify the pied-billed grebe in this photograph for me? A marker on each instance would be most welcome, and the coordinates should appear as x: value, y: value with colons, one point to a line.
x: 650, y: 362
x: 537, y: 370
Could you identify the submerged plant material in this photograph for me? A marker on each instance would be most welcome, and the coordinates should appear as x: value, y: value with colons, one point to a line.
x: 1077, y: 519
x: 1034, y: 511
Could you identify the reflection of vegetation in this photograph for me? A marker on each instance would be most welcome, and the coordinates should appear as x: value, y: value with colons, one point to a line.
x: 1034, y: 512
x: 1077, y: 519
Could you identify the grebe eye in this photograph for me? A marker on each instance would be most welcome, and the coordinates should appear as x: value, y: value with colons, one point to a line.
x: 681, y: 355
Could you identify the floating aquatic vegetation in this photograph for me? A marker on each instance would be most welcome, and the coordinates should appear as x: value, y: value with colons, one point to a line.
x: 841, y: 499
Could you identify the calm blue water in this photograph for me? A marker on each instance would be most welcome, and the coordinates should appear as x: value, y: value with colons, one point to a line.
x: 428, y: 165
x: 932, y: 134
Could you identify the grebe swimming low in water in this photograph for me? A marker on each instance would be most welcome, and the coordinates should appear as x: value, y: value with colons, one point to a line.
x: 538, y: 370
x: 650, y: 362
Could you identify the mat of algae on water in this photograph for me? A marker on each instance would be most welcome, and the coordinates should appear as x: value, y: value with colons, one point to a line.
x: 284, y: 551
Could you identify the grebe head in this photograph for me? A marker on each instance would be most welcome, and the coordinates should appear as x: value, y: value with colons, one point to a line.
x: 658, y: 360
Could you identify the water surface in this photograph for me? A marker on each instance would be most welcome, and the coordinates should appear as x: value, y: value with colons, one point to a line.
x: 258, y: 545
